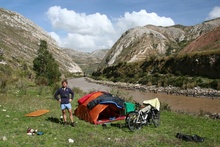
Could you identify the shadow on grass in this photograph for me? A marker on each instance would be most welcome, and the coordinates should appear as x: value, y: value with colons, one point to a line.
x: 54, y: 120
x: 121, y: 126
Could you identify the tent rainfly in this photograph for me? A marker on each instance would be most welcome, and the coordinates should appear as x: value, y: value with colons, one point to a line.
x: 100, y: 107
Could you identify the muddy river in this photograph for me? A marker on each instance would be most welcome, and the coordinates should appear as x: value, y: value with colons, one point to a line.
x: 177, y: 103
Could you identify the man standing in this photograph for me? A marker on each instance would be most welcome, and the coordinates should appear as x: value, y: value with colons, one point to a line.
x: 65, y: 101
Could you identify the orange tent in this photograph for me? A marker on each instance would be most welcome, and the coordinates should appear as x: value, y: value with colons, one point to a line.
x: 105, y: 110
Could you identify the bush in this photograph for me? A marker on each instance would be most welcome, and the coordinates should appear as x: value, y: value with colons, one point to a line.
x: 215, y: 84
x: 3, y: 84
x: 165, y: 107
x: 41, y: 80
x: 55, y: 87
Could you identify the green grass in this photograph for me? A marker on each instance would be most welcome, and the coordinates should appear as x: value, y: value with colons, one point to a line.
x: 14, y: 125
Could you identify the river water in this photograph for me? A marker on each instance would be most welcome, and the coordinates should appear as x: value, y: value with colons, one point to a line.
x: 177, y: 103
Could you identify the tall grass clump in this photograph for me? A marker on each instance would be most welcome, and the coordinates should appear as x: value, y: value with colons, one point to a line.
x: 165, y: 107
x: 3, y: 84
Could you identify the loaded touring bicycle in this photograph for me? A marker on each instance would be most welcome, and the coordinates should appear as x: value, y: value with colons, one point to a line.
x: 138, y: 116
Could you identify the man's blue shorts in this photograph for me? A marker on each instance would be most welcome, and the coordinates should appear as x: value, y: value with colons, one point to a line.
x: 65, y: 106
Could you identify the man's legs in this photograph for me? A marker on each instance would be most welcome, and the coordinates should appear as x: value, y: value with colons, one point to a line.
x: 64, y: 116
x: 69, y: 108
x: 71, y: 117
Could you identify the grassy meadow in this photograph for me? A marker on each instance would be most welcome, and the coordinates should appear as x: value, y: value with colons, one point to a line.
x: 15, y: 102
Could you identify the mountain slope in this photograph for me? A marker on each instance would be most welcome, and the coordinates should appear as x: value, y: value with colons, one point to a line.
x: 179, y: 56
x: 207, y: 41
x: 20, y: 40
x: 140, y: 43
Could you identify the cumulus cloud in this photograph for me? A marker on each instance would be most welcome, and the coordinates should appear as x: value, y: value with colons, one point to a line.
x: 214, y: 13
x: 79, y: 22
x: 89, y: 32
x: 142, y: 18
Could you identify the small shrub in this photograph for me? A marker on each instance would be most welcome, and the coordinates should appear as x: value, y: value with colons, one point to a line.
x: 165, y: 107
x: 40, y: 90
x: 215, y: 84
x: 203, y: 113
x: 55, y: 87
x: 41, y: 81
x: 3, y: 85
x: 21, y: 85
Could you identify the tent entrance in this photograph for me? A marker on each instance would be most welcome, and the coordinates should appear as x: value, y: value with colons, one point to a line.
x: 110, y: 113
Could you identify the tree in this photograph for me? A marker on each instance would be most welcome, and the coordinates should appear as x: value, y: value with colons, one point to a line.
x: 45, y: 66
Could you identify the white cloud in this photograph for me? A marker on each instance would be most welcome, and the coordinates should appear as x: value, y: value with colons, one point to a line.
x: 89, y: 32
x: 214, y: 13
x: 142, y: 18
x: 80, y: 42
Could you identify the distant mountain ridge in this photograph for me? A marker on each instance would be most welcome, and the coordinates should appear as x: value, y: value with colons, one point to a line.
x: 139, y: 43
x: 87, y: 61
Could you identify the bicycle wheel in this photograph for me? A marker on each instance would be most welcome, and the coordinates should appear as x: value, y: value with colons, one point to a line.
x: 132, y: 121
x: 156, y: 118
x: 126, y: 119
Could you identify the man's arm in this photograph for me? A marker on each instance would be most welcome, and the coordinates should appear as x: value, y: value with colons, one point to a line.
x: 56, y: 95
x: 72, y: 94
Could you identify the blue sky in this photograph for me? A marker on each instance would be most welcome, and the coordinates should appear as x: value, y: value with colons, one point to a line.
x: 88, y: 25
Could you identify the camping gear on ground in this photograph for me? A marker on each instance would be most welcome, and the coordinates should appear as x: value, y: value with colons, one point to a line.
x: 40, y: 133
x: 31, y: 132
x: 38, y: 112
x: 100, y: 107
x: 186, y: 137
x: 150, y: 113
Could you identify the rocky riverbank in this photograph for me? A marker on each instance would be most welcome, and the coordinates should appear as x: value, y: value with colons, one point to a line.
x: 200, y: 106
x: 195, y: 92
